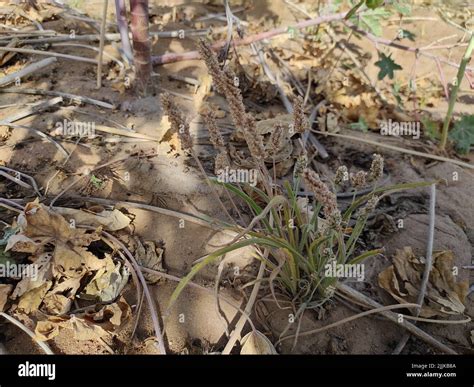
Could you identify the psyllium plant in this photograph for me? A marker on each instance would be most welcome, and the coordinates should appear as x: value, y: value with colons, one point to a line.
x: 298, y: 227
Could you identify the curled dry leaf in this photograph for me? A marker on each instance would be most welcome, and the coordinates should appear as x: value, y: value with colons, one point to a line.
x: 444, y: 296
x: 107, y: 283
x: 256, y: 343
x: 56, y: 304
x: 86, y: 326
x: 111, y: 316
x: 111, y: 220
x: 150, y: 256
x: 37, y: 221
x: 81, y: 329
x: 21, y: 243
x: 32, y: 299
x: 5, y: 291
x: 47, y: 330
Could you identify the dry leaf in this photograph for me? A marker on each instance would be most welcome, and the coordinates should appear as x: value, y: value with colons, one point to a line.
x: 443, y: 295
x: 84, y: 330
x: 37, y: 221
x: 21, y: 243
x: 68, y: 262
x: 86, y: 326
x: 111, y: 220
x: 46, y: 330
x: 5, y: 291
x: 31, y: 300
x: 110, y: 316
x: 42, y: 268
x: 56, y: 304
x: 107, y: 283
x: 256, y: 343
x: 149, y: 256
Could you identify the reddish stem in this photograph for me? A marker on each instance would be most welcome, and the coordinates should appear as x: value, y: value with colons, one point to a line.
x: 141, y: 43
x: 170, y: 58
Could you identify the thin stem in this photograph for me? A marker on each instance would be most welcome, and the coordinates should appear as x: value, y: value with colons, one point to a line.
x: 454, y: 93
x: 101, y: 45
x: 121, y: 12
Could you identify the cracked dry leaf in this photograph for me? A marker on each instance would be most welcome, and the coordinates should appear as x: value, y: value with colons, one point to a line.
x: 150, y: 256
x: 110, y: 316
x: 107, y: 283
x: 66, y: 286
x: 111, y: 220
x: 21, y: 243
x: 41, y: 272
x: 37, y: 221
x: 32, y: 299
x: 56, y: 304
x: 68, y: 262
x: 86, y: 326
x: 5, y: 291
x: 84, y: 330
x: 444, y: 295
x: 49, y: 329
x: 256, y: 343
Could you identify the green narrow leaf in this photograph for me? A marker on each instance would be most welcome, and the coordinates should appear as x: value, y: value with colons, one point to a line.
x: 365, y: 255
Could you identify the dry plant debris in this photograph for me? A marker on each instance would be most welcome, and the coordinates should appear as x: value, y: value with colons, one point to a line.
x: 444, y: 295
x: 64, y: 271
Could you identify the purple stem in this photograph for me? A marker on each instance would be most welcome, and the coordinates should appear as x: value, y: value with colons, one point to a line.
x: 121, y: 11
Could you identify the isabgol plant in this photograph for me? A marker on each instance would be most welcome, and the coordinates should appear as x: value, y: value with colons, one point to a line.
x: 302, y: 234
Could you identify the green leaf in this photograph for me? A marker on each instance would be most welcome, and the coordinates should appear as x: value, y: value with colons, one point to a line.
x: 360, y: 125
x: 5, y: 257
x: 7, y: 233
x: 431, y: 129
x: 396, y: 93
x: 96, y: 182
x: 402, y: 7
x: 372, y: 4
x: 387, y: 66
x: 354, y: 10
x: 463, y: 133
x: 370, y: 20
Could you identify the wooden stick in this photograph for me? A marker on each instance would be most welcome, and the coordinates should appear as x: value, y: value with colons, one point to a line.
x: 115, y: 37
x: 42, y: 135
x: 413, y: 329
x: 6, y: 56
x: 50, y: 54
x: 126, y: 133
x: 101, y: 45
x: 26, y: 70
x: 396, y: 148
x: 36, y: 108
x: 71, y: 97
